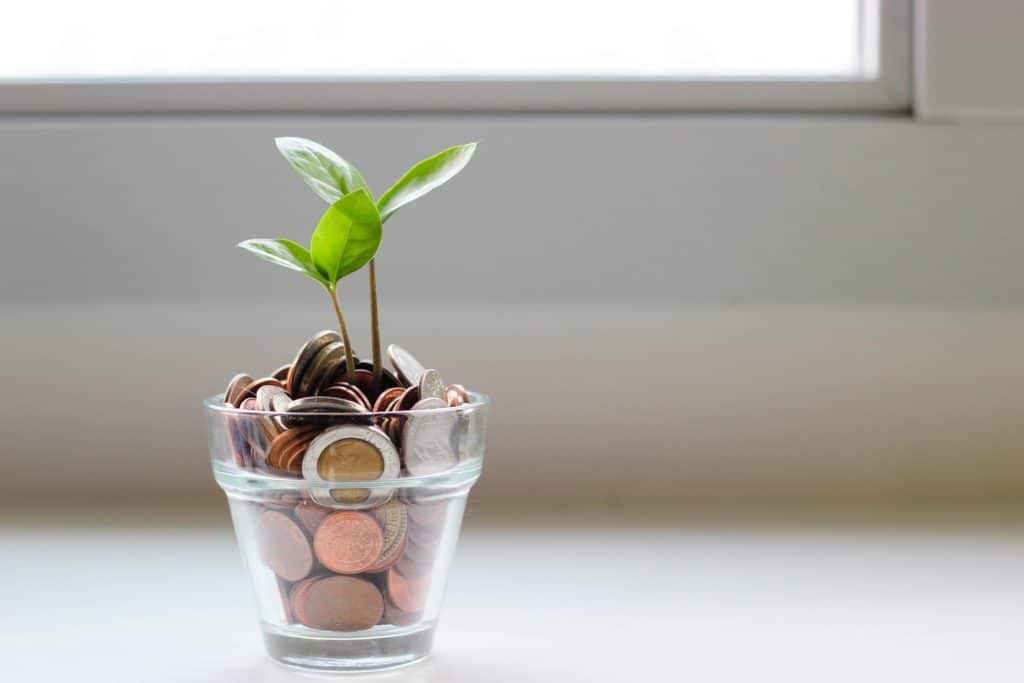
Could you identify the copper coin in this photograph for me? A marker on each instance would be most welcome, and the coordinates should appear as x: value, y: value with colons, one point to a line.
x: 348, y: 542
x: 293, y: 458
x: 250, y: 389
x: 297, y: 598
x: 393, y: 615
x: 347, y: 391
x: 283, y: 546
x: 456, y: 395
x: 394, y: 521
x: 364, y: 380
x: 407, y: 594
x: 305, y: 355
x: 282, y: 448
x: 235, y: 386
x: 281, y: 373
x: 386, y: 397
x: 340, y: 603
x: 323, y: 369
x: 310, y: 515
x: 410, y: 397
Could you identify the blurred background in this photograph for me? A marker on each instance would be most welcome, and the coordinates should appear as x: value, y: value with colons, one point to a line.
x: 732, y: 261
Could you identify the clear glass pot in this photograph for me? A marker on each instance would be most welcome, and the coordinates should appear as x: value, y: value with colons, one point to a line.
x: 347, y: 524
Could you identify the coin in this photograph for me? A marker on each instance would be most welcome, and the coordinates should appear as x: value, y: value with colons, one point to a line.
x: 456, y: 395
x: 364, y: 380
x: 427, y: 439
x: 409, y: 398
x: 386, y: 397
x: 323, y: 369
x: 351, y: 453
x: 297, y: 594
x: 394, y: 521
x: 339, y: 603
x: 235, y: 386
x: 283, y: 546
x: 407, y: 594
x: 409, y: 369
x: 249, y: 391
x: 431, y: 385
x: 305, y: 355
x: 287, y: 443
x: 387, y: 378
x: 281, y: 374
x: 348, y: 542
x: 267, y: 398
x: 393, y: 615
x: 324, y: 405
x: 347, y: 391
x: 310, y: 515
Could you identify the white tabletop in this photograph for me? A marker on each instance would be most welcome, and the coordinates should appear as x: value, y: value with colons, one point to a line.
x: 938, y: 599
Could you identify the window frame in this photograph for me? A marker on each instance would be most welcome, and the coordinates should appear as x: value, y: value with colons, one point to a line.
x: 887, y: 90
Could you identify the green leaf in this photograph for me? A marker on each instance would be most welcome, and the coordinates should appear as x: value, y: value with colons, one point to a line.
x: 325, y: 172
x: 285, y: 253
x: 347, y: 236
x: 425, y: 176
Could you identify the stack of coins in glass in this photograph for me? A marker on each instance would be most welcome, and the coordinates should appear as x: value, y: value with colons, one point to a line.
x: 348, y: 558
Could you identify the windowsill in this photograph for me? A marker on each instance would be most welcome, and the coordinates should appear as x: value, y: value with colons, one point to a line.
x: 933, y: 595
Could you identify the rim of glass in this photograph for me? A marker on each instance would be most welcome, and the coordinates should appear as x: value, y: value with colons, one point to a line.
x: 216, y: 404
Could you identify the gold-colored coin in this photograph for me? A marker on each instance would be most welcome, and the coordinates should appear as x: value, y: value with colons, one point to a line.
x: 350, y: 460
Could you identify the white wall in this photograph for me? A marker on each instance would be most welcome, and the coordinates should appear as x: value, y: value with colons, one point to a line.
x: 808, y: 308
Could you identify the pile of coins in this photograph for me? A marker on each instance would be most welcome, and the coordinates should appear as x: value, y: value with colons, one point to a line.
x: 348, y: 558
x: 320, y: 430
x: 347, y: 570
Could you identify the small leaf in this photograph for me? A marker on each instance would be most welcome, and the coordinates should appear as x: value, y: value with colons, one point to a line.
x: 285, y: 253
x: 325, y: 172
x: 425, y: 176
x: 347, y: 236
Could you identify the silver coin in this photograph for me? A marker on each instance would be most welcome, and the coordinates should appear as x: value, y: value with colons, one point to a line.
x: 267, y: 397
x: 427, y: 439
x: 371, y: 435
x: 409, y: 369
x: 432, y: 386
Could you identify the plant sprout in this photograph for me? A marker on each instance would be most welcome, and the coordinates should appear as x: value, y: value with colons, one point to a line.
x: 345, y: 239
x: 335, y: 180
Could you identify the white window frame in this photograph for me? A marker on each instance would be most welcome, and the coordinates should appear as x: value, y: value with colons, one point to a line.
x: 886, y: 90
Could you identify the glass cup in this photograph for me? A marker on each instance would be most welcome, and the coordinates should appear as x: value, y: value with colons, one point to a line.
x: 347, y: 523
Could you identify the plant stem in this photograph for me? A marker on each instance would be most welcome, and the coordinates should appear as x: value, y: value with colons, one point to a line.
x: 378, y: 363
x: 350, y: 365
